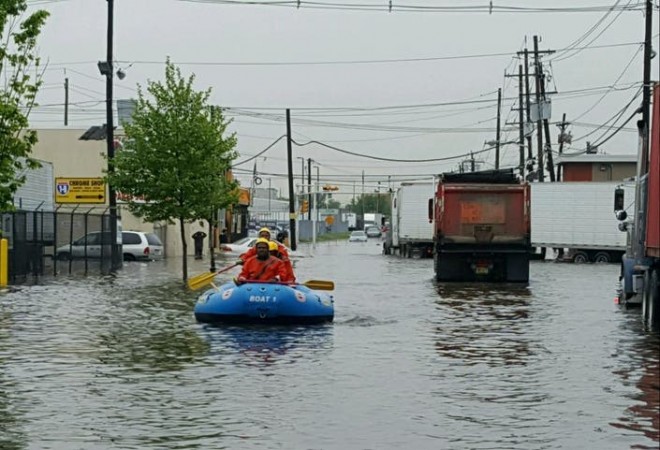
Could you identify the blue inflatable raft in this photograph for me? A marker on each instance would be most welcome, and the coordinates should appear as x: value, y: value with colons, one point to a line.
x: 264, y: 303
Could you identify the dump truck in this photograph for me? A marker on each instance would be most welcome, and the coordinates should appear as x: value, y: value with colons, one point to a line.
x: 640, y: 266
x: 482, y: 228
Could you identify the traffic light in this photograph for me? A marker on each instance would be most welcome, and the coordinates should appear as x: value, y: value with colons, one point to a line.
x: 304, y: 207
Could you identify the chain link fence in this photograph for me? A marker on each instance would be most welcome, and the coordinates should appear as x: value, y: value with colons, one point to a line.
x: 62, y: 241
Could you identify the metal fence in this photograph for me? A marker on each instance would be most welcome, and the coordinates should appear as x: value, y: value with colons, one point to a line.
x: 63, y: 241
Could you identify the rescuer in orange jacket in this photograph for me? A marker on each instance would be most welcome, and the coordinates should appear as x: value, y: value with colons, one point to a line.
x: 263, y: 233
x: 290, y: 277
x: 263, y: 266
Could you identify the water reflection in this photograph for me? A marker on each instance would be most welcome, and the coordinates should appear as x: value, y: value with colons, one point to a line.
x: 642, y: 363
x: 264, y: 346
x: 11, y: 437
x: 483, y: 323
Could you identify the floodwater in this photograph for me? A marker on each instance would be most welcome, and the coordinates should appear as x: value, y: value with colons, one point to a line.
x: 120, y: 363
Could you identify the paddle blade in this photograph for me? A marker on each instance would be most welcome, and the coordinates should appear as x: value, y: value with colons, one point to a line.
x: 204, y: 279
x: 320, y: 285
x: 200, y: 281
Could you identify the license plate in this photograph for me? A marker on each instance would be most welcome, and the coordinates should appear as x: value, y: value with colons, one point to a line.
x: 481, y: 270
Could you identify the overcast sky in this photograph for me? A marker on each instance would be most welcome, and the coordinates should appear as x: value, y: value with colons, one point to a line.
x: 433, y: 60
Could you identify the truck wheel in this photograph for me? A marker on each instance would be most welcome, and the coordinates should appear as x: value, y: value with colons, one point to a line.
x: 580, y: 257
x: 602, y: 257
x: 653, y: 317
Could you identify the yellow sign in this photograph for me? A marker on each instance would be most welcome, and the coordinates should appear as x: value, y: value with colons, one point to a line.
x: 79, y: 190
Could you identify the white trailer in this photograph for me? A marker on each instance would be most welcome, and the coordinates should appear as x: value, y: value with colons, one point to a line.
x: 411, y: 231
x: 579, y: 218
x: 372, y: 220
x: 350, y: 219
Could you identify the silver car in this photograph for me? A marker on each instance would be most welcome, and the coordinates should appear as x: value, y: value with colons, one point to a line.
x: 136, y: 245
x: 139, y: 245
x: 358, y: 236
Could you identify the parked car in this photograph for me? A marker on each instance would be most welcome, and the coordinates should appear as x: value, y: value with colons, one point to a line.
x: 139, y: 245
x: 358, y: 236
x: 373, y: 232
x: 136, y: 245
x: 240, y: 246
x: 243, y: 245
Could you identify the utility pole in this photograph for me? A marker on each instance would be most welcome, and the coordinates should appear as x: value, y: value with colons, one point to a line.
x: 292, y: 197
x: 302, y: 177
x: 309, y: 189
x: 563, y: 137
x: 521, y: 125
x: 66, y: 102
x: 546, y: 128
x: 362, y: 198
x: 316, y: 193
x: 530, y: 154
x: 497, y: 135
x: 539, y: 122
x: 115, y: 252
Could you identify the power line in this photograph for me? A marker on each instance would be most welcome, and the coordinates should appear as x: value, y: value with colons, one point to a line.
x: 272, y: 144
x: 404, y: 7
x: 380, y: 158
x: 342, y: 62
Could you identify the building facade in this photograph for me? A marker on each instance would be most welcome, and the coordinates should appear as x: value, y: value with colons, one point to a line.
x: 72, y: 157
x: 597, y: 167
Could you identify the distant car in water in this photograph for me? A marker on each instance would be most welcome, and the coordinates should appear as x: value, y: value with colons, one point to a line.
x: 242, y: 245
x: 358, y: 236
x: 373, y: 232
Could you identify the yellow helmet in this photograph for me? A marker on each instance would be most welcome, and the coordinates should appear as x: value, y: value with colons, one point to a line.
x: 272, y: 246
x: 261, y: 241
x: 264, y: 230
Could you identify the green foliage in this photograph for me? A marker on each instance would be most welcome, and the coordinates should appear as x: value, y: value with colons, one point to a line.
x: 175, y: 155
x: 333, y: 204
x: 373, y: 203
x: 18, y: 91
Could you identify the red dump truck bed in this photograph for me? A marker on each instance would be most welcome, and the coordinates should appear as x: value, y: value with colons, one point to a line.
x: 653, y: 202
x: 482, y: 227
x: 489, y: 214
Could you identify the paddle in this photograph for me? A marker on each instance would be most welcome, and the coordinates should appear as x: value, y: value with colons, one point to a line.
x: 319, y: 285
x: 204, y: 279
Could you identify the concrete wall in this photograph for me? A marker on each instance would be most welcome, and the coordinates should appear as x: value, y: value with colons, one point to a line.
x: 70, y: 156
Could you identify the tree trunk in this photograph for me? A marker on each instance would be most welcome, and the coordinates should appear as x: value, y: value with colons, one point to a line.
x: 184, y: 244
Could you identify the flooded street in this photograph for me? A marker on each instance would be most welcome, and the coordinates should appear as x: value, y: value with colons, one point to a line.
x: 105, y: 363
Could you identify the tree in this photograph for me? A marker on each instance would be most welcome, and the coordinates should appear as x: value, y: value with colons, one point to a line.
x: 372, y: 203
x: 333, y: 204
x: 18, y: 64
x: 175, y: 158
